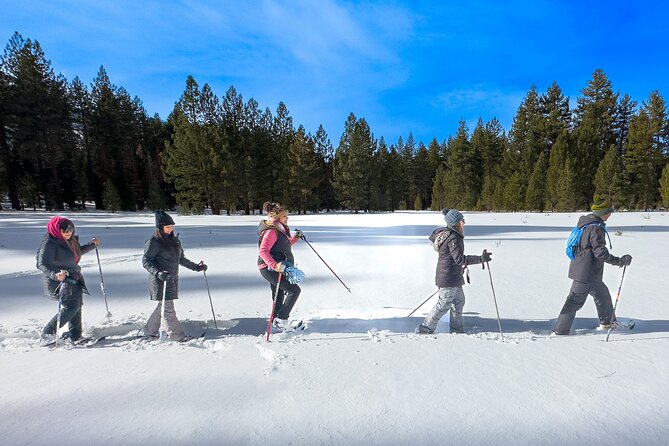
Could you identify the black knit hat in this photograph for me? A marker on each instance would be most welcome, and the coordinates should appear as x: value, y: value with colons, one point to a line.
x: 163, y: 219
x: 66, y: 225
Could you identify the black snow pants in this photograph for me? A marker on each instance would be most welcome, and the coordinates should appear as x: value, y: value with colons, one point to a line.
x: 288, y: 293
x: 71, y: 300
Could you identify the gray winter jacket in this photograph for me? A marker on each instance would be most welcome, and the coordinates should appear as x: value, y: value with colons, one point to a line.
x: 165, y: 254
x: 452, y: 259
x: 588, y: 264
x: 52, y: 257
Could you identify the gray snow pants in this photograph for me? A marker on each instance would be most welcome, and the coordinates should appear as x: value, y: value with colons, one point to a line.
x: 576, y: 299
x: 452, y: 299
x: 174, y: 329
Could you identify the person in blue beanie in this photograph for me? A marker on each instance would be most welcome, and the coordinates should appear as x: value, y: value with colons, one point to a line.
x: 452, y: 264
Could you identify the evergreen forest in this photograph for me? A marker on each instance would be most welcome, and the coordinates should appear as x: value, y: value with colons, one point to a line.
x: 65, y: 143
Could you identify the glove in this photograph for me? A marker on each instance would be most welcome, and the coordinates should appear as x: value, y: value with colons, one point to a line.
x: 164, y: 276
x: 299, y: 233
x: 280, y: 267
x: 486, y: 256
x: 293, y: 275
x: 625, y: 260
x: 202, y: 267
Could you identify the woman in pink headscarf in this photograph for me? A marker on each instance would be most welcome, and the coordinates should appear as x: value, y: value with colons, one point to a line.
x: 58, y: 259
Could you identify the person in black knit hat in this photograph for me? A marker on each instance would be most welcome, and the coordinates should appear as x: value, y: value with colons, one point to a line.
x: 162, y: 256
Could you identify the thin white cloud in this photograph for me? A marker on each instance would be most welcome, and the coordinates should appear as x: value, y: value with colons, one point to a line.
x: 478, y: 97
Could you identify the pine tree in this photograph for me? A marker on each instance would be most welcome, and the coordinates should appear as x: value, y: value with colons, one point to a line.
x: 411, y: 172
x: 236, y: 163
x: 625, y: 110
x: 439, y: 189
x: 558, y: 156
x: 489, y: 142
x: 424, y: 177
x: 566, y: 188
x: 7, y: 156
x: 194, y: 160
x: 656, y: 108
x: 595, y: 132
x: 418, y: 204
x: 639, y: 160
x: 325, y: 158
x: 664, y: 186
x: 352, y: 162
x: 394, y: 178
x: 462, y: 179
x: 526, y: 135
x: 378, y: 191
x: 302, y: 172
x: 39, y: 115
x: 513, y: 195
x: 536, y: 193
x: 110, y: 197
x: 556, y: 116
x: 80, y: 99
x: 609, y: 180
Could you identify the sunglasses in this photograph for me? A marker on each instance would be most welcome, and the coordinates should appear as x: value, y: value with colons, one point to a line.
x: 68, y: 229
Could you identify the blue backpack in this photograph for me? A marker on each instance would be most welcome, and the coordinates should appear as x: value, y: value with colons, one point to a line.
x: 574, y: 240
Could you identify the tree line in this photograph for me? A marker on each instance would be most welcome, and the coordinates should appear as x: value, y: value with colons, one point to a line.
x: 64, y: 143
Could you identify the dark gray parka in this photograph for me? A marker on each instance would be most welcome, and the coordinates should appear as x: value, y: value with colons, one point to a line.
x: 588, y: 263
x: 53, y: 256
x: 164, y: 253
x: 452, y: 259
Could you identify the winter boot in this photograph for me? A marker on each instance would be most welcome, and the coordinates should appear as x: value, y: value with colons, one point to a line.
x: 423, y: 329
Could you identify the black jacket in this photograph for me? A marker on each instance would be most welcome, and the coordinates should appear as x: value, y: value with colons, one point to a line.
x: 53, y: 256
x: 282, y: 249
x: 164, y: 253
x: 452, y: 259
x: 588, y: 264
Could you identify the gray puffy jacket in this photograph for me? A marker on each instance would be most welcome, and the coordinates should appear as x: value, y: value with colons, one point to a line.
x: 452, y: 259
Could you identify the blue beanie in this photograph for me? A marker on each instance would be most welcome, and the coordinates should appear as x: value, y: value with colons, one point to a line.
x: 453, y: 217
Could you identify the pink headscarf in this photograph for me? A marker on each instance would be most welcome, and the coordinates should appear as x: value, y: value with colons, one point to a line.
x: 54, y: 227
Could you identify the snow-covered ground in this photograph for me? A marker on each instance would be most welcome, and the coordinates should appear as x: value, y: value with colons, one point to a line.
x: 358, y: 375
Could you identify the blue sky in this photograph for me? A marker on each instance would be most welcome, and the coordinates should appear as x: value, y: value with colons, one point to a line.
x: 405, y: 66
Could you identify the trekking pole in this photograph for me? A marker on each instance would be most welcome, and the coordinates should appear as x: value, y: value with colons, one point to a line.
x: 499, y: 321
x: 613, y: 313
x: 326, y: 263
x: 60, y: 303
x: 102, y: 284
x: 163, y: 322
x: 58, y: 320
x: 271, y: 315
x: 210, y: 302
x: 429, y: 297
